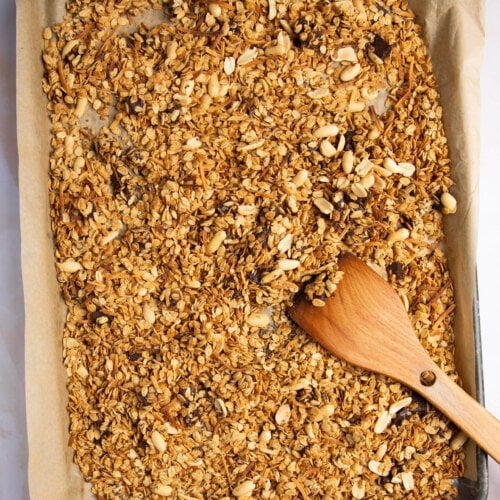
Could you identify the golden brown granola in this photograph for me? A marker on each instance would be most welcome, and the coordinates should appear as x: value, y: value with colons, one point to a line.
x: 205, y: 166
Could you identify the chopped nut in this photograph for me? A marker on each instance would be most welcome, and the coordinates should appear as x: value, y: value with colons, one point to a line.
x: 259, y: 319
x: 399, y: 405
x: 229, y: 65
x: 408, y: 482
x: 216, y: 241
x: 244, y: 489
x: 324, y: 206
x: 283, y: 414
x: 288, y: 264
x: 70, y: 266
x: 158, y: 441
x: 318, y: 414
x: 248, y: 56
x: 327, y: 149
x: 383, y: 421
x: 449, y: 203
x: 348, y: 162
x: 399, y: 235
x: 350, y: 72
x: 326, y: 131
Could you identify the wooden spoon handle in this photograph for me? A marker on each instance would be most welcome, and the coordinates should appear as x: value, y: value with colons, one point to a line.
x: 477, y: 422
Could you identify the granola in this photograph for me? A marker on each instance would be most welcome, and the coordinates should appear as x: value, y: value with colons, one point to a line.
x: 205, y: 166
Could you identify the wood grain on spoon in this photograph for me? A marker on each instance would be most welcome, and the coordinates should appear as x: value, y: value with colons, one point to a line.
x: 366, y: 324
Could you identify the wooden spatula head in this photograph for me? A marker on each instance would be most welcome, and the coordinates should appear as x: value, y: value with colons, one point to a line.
x: 365, y: 322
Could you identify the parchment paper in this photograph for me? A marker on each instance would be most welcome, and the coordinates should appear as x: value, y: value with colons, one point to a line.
x: 454, y: 33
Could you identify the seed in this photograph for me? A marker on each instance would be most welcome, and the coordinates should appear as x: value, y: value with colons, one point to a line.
x: 259, y: 319
x: 399, y: 405
x: 81, y: 106
x: 350, y: 73
x: 252, y: 145
x: 391, y: 166
x: 216, y: 241
x: 458, y: 441
x: 399, y: 235
x: 300, y: 177
x: 406, y: 169
x: 148, y: 314
x: 318, y: 93
x: 348, y: 162
x: 69, y: 144
x: 70, y: 266
x: 272, y: 10
x: 327, y: 149
x: 359, y: 190
x: 214, y: 9
x: 356, y: 107
x: 158, y: 441
x: 449, y: 203
x: 318, y: 414
x: 248, y: 56
x: 244, y: 489
x: 193, y: 143
x: 68, y: 48
x: 358, y: 490
x: 213, y: 85
x: 379, y: 468
x: 345, y: 54
x: 364, y: 167
x: 285, y: 244
x: 408, y: 482
x: 288, y: 264
x: 323, y: 205
x: 229, y: 65
x: 283, y: 414
x: 326, y: 131
x: 163, y: 490
x: 383, y: 421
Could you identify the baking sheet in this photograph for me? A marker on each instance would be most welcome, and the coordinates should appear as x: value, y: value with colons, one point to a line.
x: 454, y: 33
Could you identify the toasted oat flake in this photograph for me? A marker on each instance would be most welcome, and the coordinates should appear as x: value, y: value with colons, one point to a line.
x: 209, y: 160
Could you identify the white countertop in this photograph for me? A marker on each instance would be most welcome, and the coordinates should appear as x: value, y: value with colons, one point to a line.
x: 13, y: 450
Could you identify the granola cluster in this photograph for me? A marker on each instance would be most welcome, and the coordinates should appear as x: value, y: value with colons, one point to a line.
x: 209, y: 159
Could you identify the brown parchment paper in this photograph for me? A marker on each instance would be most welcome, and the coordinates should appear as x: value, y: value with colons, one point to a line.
x: 454, y: 34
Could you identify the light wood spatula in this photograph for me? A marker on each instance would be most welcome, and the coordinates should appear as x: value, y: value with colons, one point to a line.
x: 366, y: 324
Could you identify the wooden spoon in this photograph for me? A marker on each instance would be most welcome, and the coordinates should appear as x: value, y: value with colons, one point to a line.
x: 366, y: 324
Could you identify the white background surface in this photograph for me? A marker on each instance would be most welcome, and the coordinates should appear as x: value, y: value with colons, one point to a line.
x: 13, y: 451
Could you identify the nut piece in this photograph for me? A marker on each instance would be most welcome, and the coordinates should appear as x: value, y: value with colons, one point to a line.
x: 326, y: 131
x: 318, y: 414
x: 449, y: 203
x: 358, y: 489
x: 399, y: 405
x: 327, y: 149
x: 272, y: 10
x: 356, y: 107
x: 285, y: 244
x: 408, y: 482
x: 69, y: 266
x: 288, y: 264
x: 283, y: 414
x: 214, y: 9
x: 148, y: 314
x: 399, y: 235
x: 379, y: 468
x: 229, y: 65
x: 383, y: 421
x: 345, y: 54
x: 364, y: 167
x: 216, y: 241
x: 259, y: 319
x: 350, y: 72
x: 158, y: 441
x: 213, y: 85
x: 391, y: 166
x: 406, y: 169
x: 324, y: 206
x: 458, y: 440
x: 163, y: 490
x: 81, y: 106
x: 348, y: 162
x: 248, y: 56
x: 300, y: 177
x: 244, y: 489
